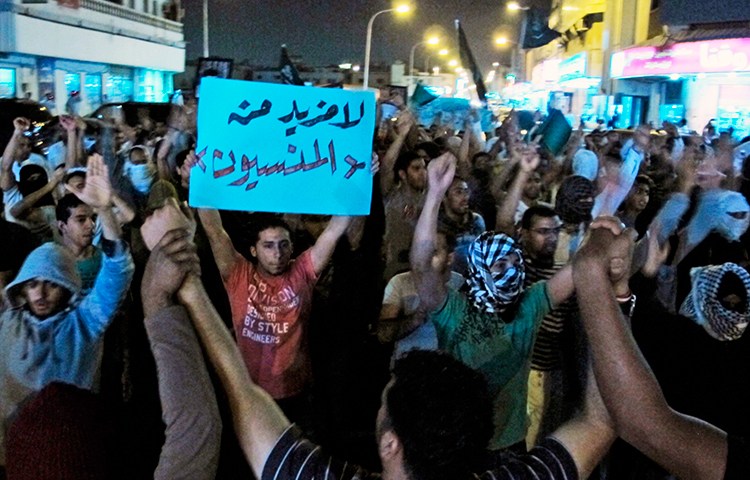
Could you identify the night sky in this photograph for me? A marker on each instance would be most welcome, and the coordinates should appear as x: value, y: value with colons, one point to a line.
x: 322, y: 32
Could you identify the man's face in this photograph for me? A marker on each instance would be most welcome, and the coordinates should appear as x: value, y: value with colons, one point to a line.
x: 24, y: 149
x: 76, y: 182
x: 457, y: 198
x: 44, y: 298
x: 540, y: 240
x: 442, y: 259
x: 416, y: 174
x: 79, y: 229
x: 273, y: 250
x: 533, y: 187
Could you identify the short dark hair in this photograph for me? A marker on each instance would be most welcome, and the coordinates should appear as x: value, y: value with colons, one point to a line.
x: 402, y: 163
x: 643, y: 179
x: 264, y: 221
x: 75, y: 173
x: 441, y: 411
x: 432, y: 149
x: 542, y: 211
x: 64, y: 206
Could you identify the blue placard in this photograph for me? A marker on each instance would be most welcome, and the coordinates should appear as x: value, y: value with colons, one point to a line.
x: 281, y: 148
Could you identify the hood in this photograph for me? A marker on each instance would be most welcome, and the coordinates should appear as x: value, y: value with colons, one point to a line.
x: 50, y: 262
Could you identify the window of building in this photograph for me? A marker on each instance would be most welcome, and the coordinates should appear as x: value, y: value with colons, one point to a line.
x: 119, y: 87
x: 72, y: 83
x: 93, y: 89
x: 7, y: 82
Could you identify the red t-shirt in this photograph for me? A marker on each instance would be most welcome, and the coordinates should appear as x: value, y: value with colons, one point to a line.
x: 270, y: 315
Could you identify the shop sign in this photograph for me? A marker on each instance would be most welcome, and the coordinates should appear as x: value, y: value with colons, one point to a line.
x: 710, y: 56
x: 573, y: 67
x: 545, y: 73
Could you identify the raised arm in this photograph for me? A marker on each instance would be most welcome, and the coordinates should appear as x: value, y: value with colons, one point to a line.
x: 323, y: 249
x: 403, y: 125
x: 193, y: 433
x: 430, y: 285
x: 221, y: 245
x: 258, y: 421
x: 588, y: 435
x: 23, y: 208
x: 506, y: 213
x: 686, y: 446
x: 7, y: 180
x: 72, y: 150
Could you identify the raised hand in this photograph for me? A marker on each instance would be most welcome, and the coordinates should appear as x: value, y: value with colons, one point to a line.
x: 404, y: 122
x: 168, y: 217
x: 374, y: 164
x: 68, y: 122
x: 440, y: 172
x: 21, y: 124
x: 529, y: 160
x: 173, y: 257
x: 187, y: 166
x: 97, y: 192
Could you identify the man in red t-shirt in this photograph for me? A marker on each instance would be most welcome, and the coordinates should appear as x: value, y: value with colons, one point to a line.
x: 271, y: 301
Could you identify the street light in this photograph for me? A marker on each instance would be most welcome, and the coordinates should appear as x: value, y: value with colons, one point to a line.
x: 515, y: 6
x: 205, y: 28
x: 442, y: 52
x: 368, y: 43
x: 429, y: 41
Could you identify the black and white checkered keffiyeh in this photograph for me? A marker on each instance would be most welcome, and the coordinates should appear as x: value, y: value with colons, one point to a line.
x: 493, y: 292
x: 704, y: 307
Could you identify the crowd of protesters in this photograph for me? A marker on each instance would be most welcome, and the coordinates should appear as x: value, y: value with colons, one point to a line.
x: 503, y: 312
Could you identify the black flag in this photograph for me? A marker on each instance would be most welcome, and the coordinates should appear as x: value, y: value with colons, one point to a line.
x: 467, y: 60
x: 289, y: 73
x: 535, y: 31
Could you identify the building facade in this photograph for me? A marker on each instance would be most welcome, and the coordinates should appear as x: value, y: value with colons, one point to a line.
x: 78, y: 54
x: 630, y: 62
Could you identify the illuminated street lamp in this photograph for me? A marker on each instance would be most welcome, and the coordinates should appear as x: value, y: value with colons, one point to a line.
x: 442, y: 52
x: 429, y: 41
x: 515, y: 6
x: 368, y: 43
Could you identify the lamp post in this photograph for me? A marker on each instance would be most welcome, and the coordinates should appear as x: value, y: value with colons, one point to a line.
x: 368, y: 42
x: 205, y: 28
x: 516, y: 56
x: 429, y: 41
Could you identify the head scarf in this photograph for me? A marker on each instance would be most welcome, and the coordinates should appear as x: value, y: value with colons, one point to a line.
x: 586, y: 164
x: 713, y: 214
x: 569, y: 203
x: 493, y: 292
x: 703, y: 306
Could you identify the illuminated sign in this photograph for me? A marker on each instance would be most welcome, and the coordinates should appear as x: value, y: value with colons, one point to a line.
x: 710, y: 56
x: 573, y: 67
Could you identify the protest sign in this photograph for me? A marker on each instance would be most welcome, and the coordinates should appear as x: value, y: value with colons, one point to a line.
x: 283, y: 148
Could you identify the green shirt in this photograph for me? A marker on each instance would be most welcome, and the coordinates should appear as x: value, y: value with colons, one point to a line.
x: 501, y: 351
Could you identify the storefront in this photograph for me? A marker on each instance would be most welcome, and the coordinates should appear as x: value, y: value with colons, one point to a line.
x: 578, y: 79
x: 699, y: 81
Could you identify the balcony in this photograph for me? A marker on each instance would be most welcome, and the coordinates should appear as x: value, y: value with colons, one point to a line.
x: 119, y: 11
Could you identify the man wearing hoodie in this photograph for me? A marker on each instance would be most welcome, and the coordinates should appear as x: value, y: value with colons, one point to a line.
x: 51, y: 333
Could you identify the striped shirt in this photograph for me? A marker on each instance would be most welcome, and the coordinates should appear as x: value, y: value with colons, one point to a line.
x: 547, y: 353
x: 296, y: 458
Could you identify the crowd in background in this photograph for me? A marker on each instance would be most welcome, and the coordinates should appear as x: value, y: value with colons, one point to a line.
x: 470, y: 249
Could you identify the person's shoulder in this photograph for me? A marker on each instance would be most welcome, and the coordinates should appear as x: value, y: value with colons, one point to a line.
x: 549, y: 460
x: 294, y: 456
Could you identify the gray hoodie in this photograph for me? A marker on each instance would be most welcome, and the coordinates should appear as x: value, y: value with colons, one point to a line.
x: 63, y: 347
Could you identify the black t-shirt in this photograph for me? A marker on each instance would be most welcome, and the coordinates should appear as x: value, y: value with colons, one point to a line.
x: 296, y: 458
x: 738, y: 459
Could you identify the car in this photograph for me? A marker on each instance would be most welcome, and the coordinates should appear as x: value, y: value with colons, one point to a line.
x: 11, y: 108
